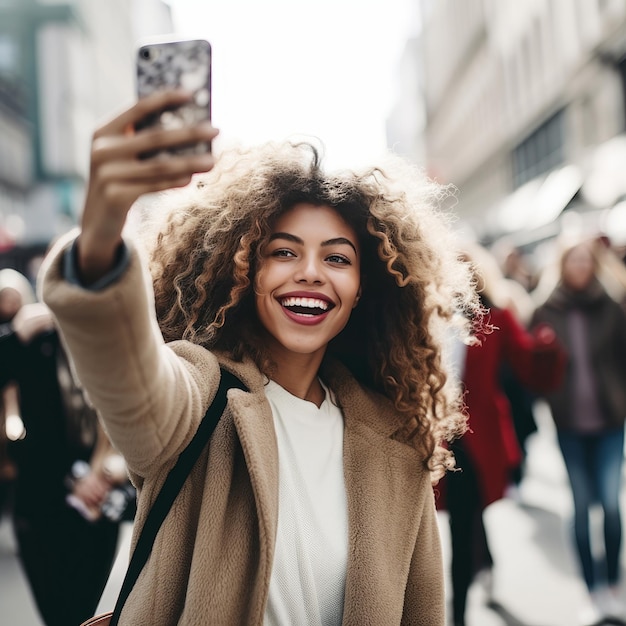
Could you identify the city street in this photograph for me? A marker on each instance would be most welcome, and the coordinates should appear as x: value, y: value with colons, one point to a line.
x: 426, y: 159
x: 535, y: 581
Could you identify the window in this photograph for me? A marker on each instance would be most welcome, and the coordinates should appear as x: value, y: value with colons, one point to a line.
x: 542, y: 150
x: 8, y: 55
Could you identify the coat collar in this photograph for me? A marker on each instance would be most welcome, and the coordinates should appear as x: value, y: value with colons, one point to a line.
x: 372, y: 410
x: 381, y: 477
x: 363, y: 409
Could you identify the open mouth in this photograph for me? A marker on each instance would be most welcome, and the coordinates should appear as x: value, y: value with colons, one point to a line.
x: 309, y: 307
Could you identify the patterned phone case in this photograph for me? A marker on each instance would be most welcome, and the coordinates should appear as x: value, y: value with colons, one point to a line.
x: 182, y: 64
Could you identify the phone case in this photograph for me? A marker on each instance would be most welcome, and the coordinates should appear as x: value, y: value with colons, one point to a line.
x: 176, y: 64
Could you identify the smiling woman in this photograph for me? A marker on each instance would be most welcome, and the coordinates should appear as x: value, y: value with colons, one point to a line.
x: 329, y: 297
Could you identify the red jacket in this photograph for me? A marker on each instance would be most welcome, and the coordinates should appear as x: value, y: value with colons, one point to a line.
x: 490, y: 442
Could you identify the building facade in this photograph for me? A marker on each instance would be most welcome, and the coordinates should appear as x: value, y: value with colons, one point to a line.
x: 524, y: 107
x: 64, y: 66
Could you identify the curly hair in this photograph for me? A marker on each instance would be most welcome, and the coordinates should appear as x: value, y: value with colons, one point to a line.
x: 204, y: 257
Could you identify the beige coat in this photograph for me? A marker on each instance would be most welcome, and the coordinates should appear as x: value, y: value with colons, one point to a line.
x: 212, y: 560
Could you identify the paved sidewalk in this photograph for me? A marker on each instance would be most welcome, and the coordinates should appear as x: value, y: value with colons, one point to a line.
x: 16, y: 604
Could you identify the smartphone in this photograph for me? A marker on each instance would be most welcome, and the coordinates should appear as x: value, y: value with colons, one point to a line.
x: 172, y: 64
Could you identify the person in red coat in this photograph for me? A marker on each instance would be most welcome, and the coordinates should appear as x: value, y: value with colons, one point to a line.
x: 489, y: 452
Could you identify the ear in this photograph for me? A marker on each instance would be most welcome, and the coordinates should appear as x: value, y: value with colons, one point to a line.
x: 358, y: 297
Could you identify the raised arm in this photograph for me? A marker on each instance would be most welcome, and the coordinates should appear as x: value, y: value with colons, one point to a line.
x: 118, y: 176
x: 536, y: 357
x: 147, y: 395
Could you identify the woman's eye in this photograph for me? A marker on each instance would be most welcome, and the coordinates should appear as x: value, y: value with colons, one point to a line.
x: 283, y: 253
x: 339, y: 258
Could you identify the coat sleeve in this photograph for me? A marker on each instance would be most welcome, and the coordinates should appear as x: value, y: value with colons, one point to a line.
x: 150, y: 396
x: 424, y: 600
x: 536, y: 357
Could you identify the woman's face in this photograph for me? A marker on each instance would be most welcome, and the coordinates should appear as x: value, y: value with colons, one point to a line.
x: 10, y: 303
x: 309, y: 279
x: 578, y: 268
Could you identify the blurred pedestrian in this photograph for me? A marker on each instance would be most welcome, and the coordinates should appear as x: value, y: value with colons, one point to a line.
x: 589, y: 409
x: 15, y: 291
x: 328, y: 296
x: 611, y: 269
x: 489, y: 453
x: 66, y: 470
x: 514, y: 264
x: 510, y: 294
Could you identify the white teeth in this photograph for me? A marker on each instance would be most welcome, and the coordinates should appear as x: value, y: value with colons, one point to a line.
x: 309, y: 303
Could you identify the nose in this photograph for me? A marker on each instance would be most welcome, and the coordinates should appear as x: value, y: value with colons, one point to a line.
x: 309, y: 270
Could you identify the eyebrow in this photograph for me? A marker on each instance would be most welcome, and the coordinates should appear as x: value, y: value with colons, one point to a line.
x: 329, y: 242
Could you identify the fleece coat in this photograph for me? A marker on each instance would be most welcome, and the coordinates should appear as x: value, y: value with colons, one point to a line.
x: 212, y: 560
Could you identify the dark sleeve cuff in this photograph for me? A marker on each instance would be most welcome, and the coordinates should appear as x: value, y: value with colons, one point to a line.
x: 71, y: 274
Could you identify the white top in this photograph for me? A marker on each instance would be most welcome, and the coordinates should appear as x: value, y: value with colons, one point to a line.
x: 309, y: 570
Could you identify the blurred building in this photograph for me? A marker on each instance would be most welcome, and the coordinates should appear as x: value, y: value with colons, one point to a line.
x: 405, y: 124
x: 524, y: 109
x: 64, y: 65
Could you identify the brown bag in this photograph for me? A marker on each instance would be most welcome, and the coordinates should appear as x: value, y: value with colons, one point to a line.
x: 99, y: 620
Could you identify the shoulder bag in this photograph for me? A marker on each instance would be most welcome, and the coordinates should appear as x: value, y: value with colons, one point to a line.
x: 163, y: 503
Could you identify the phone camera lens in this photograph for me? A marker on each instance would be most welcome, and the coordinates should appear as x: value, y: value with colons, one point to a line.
x: 145, y: 53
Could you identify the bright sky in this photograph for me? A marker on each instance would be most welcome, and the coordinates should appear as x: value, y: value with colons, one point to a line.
x: 323, y: 68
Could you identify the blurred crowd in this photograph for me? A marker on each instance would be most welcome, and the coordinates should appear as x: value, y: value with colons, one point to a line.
x: 556, y: 333
x: 62, y: 485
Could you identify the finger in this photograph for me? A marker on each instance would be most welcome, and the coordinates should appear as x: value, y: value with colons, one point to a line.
x: 142, y: 108
x: 157, y: 139
x: 124, y: 194
x: 154, y: 169
x: 90, y: 499
x: 111, y: 147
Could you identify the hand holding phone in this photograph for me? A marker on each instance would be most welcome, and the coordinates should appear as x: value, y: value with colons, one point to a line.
x: 176, y: 64
x: 119, y: 175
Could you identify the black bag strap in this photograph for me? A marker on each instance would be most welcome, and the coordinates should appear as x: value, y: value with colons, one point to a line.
x: 171, y: 487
